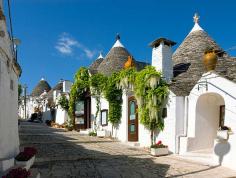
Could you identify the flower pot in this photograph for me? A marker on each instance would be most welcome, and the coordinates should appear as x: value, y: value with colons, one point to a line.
x: 101, y: 133
x: 26, y: 164
x: 159, y: 151
x: 222, y: 134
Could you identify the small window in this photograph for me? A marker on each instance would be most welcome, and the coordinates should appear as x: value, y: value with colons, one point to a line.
x: 11, y: 85
x: 164, y: 112
x: 222, y: 116
x: 104, y: 117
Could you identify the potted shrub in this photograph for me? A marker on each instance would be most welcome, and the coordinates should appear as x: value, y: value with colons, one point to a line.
x: 159, y: 149
x: 26, y: 158
x: 17, y: 173
x: 93, y: 133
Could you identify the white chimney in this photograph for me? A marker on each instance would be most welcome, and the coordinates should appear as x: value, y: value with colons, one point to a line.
x: 162, y: 57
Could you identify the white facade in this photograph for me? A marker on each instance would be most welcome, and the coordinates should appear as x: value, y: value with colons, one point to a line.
x: 203, y: 118
x: 41, y: 102
x: 192, y: 124
x: 9, y: 73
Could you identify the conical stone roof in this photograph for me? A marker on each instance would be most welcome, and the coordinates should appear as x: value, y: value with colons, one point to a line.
x: 40, y: 88
x: 93, y: 67
x: 114, y: 60
x: 193, y: 47
x: 58, y: 87
x: 187, y: 60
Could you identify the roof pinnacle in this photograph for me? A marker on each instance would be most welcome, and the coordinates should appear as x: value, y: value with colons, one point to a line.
x: 118, y: 43
x: 100, y: 55
x: 196, y: 18
x: 117, y: 36
x: 196, y: 26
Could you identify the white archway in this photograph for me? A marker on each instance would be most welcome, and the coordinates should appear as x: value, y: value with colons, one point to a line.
x: 207, y: 120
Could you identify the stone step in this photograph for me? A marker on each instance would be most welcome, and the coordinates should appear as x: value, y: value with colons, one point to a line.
x: 133, y: 144
x: 199, y: 157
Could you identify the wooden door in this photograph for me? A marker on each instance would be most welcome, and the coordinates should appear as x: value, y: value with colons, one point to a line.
x: 132, y: 120
x: 88, y: 112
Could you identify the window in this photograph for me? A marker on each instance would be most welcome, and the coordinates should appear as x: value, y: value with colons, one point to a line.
x: 164, y: 112
x: 222, y: 115
x: 104, y: 117
x: 11, y: 85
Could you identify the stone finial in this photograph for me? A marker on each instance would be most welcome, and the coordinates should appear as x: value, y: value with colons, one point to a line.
x: 117, y: 36
x: 196, y: 18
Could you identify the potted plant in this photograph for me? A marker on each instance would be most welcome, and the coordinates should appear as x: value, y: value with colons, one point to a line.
x: 159, y: 149
x: 93, y: 133
x: 223, y: 132
x: 17, y: 173
x: 26, y: 158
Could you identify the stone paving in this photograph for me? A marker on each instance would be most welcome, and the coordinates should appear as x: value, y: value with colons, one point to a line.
x: 64, y: 154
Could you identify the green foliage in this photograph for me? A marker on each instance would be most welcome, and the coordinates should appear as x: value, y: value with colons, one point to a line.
x: 64, y: 102
x: 80, y: 86
x: 93, y: 133
x: 151, y: 93
x: 97, y: 83
x: 114, y: 96
x: 127, y: 78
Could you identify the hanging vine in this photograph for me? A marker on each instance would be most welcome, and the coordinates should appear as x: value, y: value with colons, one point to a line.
x: 151, y: 93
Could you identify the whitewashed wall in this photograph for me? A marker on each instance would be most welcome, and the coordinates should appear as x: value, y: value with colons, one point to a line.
x: 9, y: 139
x: 226, y: 89
x: 173, y: 123
x: 61, y: 115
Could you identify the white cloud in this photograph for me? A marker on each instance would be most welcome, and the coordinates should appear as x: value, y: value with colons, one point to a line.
x: 67, y: 45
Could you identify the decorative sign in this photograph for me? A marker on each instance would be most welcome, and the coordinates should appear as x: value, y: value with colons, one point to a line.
x: 104, y: 117
x: 79, y: 108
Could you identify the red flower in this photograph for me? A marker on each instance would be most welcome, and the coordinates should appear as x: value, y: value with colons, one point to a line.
x: 17, y: 173
x: 159, y: 142
x: 28, y: 153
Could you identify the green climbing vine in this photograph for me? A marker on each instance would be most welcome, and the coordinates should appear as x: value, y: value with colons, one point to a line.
x: 113, y: 94
x: 80, y: 86
x: 97, y: 83
x: 150, y: 90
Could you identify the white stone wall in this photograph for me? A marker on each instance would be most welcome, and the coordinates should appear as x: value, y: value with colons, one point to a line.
x: 162, y: 60
x: 215, y: 86
x: 9, y: 139
x: 173, y: 123
x: 61, y: 115
x: 66, y: 86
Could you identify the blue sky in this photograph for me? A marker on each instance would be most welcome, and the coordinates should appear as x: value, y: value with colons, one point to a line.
x: 59, y: 36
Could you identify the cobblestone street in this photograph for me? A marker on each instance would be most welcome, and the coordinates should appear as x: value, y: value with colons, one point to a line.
x: 69, y: 154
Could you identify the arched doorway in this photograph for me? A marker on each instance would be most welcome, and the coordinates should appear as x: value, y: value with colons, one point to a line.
x: 209, y: 117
